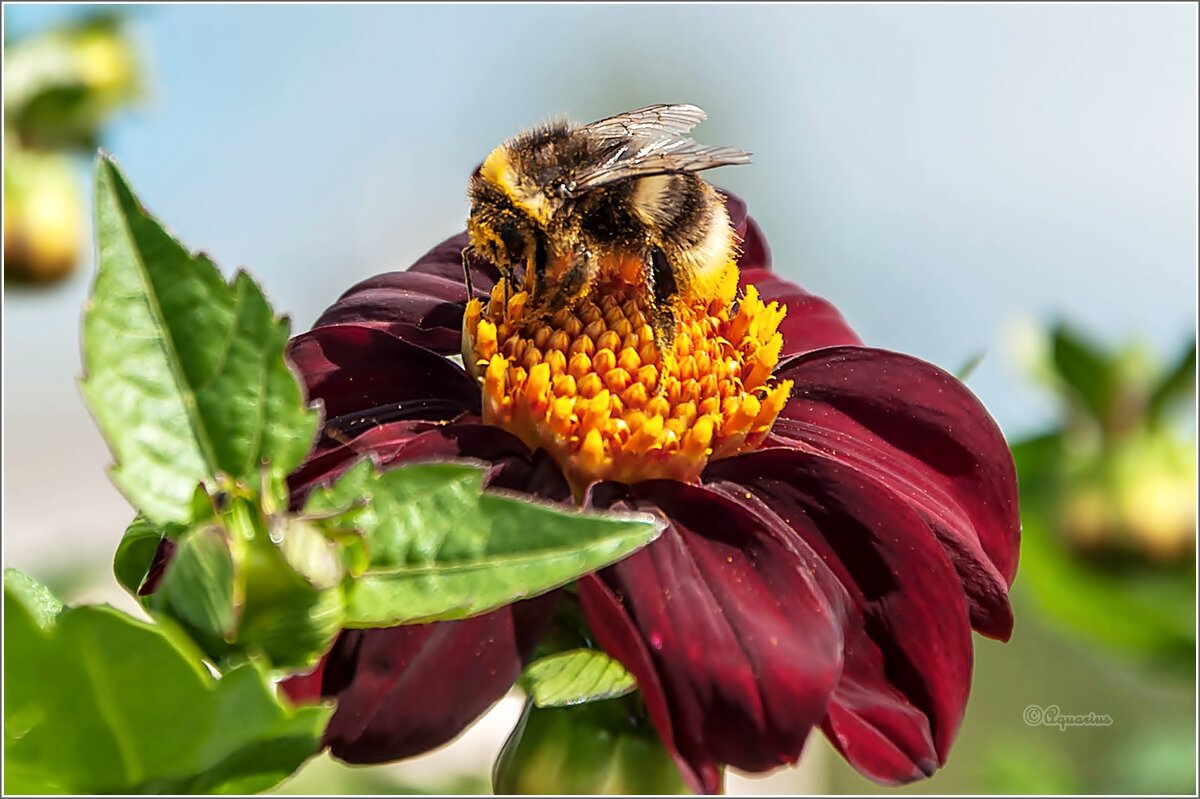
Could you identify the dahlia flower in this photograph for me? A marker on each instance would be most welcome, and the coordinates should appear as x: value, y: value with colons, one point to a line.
x: 840, y: 516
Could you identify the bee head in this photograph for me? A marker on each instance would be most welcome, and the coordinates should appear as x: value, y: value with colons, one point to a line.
x: 502, y: 230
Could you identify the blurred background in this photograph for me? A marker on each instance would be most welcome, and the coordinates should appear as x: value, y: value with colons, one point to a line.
x: 1010, y: 186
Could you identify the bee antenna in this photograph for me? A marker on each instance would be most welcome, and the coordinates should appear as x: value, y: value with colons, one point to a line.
x: 466, y: 253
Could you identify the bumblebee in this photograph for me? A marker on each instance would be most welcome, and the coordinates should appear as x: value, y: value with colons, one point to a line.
x: 575, y: 207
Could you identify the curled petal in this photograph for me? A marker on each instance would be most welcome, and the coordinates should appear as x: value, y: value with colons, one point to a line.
x: 465, y: 439
x: 402, y: 691
x: 873, y: 724
x: 422, y: 305
x: 811, y: 322
x: 331, y: 458
x: 753, y: 252
x: 366, y: 377
x: 909, y: 645
x: 741, y: 637
x: 305, y: 689
x: 537, y: 473
x: 158, y: 567
x: 924, y: 435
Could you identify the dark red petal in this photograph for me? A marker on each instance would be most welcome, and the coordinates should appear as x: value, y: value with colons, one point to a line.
x: 811, y: 322
x: 331, y: 458
x: 537, y: 474
x: 366, y: 373
x: 305, y: 689
x: 916, y: 643
x: 745, y: 643
x: 873, y: 724
x: 412, y: 688
x: 464, y: 439
x: 424, y: 304
x: 753, y: 251
x: 923, y: 434
x: 606, y: 613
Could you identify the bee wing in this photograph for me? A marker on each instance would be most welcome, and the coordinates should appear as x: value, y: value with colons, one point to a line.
x: 640, y: 157
x: 653, y: 119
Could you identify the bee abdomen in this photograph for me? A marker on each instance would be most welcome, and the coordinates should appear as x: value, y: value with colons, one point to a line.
x: 672, y: 206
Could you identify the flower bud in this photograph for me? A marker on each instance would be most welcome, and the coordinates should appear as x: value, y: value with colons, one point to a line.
x: 1137, y: 497
x: 43, y: 217
x: 606, y: 747
x: 291, y: 618
x: 242, y: 584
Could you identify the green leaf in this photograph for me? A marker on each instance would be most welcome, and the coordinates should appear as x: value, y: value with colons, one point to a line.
x: 63, y: 84
x: 440, y: 548
x: 970, y: 365
x: 99, y: 702
x: 184, y: 373
x: 199, y: 583
x: 1087, y: 369
x: 42, y: 606
x: 1178, y: 382
x: 1144, y: 612
x: 575, y: 677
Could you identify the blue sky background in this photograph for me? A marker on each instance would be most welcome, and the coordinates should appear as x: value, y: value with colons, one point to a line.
x: 937, y: 171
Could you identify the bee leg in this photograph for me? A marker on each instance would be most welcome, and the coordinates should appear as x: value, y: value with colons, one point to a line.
x: 535, y: 272
x: 663, y: 293
x: 575, y: 281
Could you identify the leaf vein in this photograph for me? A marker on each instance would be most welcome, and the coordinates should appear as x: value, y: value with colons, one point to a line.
x: 150, y: 298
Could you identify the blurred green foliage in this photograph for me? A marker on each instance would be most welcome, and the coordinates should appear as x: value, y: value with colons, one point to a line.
x: 323, y: 776
x: 607, y: 747
x: 61, y: 87
x: 1108, y: 499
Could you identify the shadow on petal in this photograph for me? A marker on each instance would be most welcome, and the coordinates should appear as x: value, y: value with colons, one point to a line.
x: 503, y: 456
x: 915, y: 648
x: 924, y: 435
x: 353, y: 369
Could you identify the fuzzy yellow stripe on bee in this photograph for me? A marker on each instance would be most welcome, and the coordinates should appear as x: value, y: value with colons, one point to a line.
x: 649, y: 198
x: 711, y: 266
x: 498, y: 170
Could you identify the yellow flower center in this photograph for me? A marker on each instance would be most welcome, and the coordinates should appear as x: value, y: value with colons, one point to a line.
x: 591, y: 386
